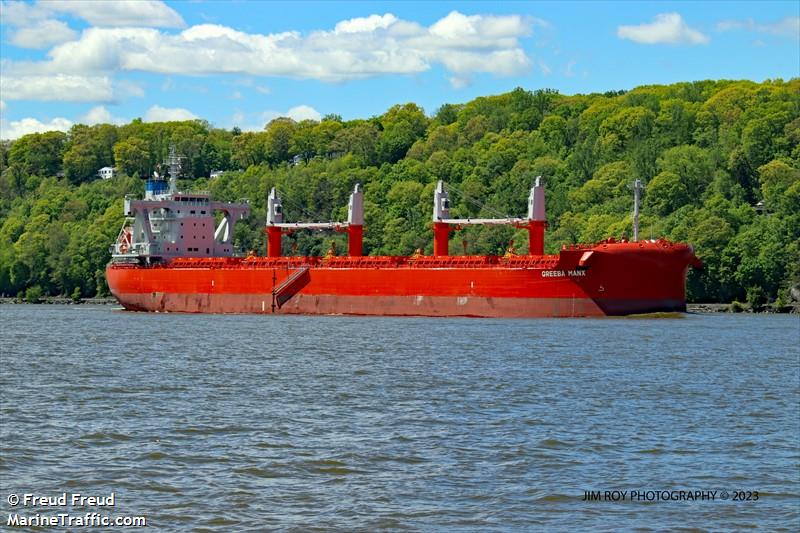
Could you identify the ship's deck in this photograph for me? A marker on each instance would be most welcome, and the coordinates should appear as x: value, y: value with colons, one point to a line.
x: 427, y: 262
x: 574, y: 251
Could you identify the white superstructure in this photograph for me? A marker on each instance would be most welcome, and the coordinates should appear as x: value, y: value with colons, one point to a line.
x: 168, y: 223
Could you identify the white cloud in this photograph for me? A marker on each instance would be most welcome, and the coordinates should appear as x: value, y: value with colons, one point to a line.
x: 17, y: 128
x: 303, y: 112
x: 60, y: 87
x: 43, y: 34
x: 355, y: 48
x: 787, y: 27
x: 22, y: 13
x: 461, y: 28
x: 263, y: 89
x: 168, y: 114
x: 666, y: 28
x: 498, y: 62
x: 122, y: 13
x: 137, y: 13
x: 81, y: 70
x: 101, y: 115
x: 258, y: 121
x: 365, y: 24
x: 297, y: 113
x: 97, y: 115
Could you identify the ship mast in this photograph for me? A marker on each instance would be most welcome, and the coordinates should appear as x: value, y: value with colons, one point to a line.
x: 637, y: 189
x: 174, y: 165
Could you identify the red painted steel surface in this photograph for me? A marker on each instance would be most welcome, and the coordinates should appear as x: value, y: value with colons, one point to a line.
x: 536, y: 237
x: 441, y: 238
x: 606, y: 279
x: 355, y: 238
x: 273, y: 241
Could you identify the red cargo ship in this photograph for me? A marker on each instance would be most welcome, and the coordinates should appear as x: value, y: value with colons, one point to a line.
x: 170, y: 258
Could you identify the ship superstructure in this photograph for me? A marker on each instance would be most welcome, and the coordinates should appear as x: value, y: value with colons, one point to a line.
x: 168, y: 223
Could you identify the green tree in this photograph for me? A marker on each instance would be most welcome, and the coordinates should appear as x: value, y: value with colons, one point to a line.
x: 132, y: 156
x: 80, y: 163
x: 277, y: 140
x: 780, y: 185
x: 248, y: 150
x: 402, y: 125
x: 694, y: 165
x: 38, y: 153
x: 666, y: 193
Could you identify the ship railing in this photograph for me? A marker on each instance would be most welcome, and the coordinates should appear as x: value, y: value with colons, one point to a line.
x: 522, y: 261
x: 363, y: 262
x: 192, y: 203
x: 662, y: 242
x: 454, y: 261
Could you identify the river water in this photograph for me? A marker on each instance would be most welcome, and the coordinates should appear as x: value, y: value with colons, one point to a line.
x: 253, y: 423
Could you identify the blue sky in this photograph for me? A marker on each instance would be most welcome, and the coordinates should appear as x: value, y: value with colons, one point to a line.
x: 242, y: 63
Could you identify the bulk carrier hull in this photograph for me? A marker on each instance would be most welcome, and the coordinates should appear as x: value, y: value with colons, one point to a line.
x: 611, y: 278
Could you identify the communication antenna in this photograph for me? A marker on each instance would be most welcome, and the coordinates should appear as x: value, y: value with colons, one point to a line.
x: 174, y: 165
x: 637, y: 190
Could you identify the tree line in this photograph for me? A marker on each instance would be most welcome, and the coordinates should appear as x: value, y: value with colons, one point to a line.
x: 720, y: 161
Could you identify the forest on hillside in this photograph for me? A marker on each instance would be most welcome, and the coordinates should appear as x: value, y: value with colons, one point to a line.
x: 720, y: 161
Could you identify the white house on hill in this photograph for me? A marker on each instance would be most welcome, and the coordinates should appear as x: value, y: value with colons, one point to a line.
x: 106, y: 172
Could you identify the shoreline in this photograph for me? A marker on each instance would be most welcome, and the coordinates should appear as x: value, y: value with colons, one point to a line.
x: 738, y: 307
x: 59, y: 300
x: 698, y: 308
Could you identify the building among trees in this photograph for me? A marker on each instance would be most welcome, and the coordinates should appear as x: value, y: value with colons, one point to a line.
x: 106, y: 173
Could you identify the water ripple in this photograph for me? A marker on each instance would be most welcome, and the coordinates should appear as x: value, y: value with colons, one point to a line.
x: 247, y: 423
